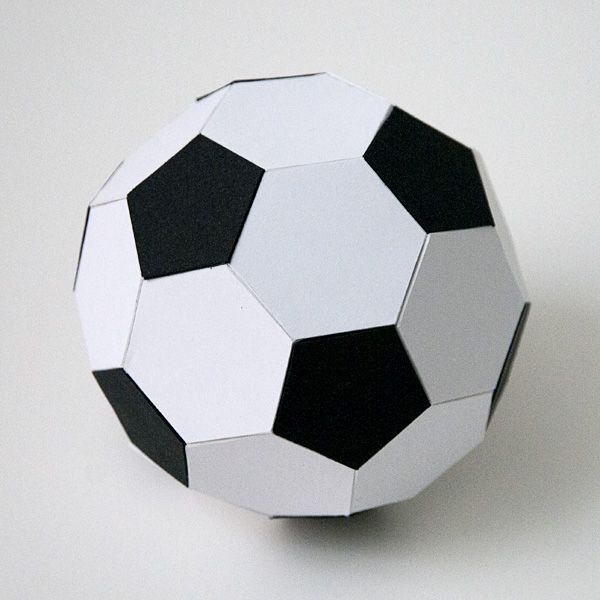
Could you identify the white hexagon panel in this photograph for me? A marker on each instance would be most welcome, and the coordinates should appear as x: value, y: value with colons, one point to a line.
x: 306, y: 253
x: 107, y: 284
x: 296, y: 299
x: 225, y: 356
x: 285, y: 122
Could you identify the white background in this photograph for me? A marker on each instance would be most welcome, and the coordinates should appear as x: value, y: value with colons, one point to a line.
x: 82, y: 516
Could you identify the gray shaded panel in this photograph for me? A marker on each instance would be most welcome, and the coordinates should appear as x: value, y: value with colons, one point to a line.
x: 328, y: 248
x: 296, y: 120
x: 270, y: 475
x: 460, y: 313
x: 429, y: 446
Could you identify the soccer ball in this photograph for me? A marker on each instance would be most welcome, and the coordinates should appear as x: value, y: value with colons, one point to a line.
x: 299, y: 298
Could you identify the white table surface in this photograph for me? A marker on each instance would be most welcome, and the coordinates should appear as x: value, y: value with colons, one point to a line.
x: 82, y: 516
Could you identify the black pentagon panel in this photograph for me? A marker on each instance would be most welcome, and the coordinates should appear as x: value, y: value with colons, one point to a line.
x: 144, y: 425
x: 189, y: 213
x: 347, y: 395
x: 510, y: 358
x: 433, y: 176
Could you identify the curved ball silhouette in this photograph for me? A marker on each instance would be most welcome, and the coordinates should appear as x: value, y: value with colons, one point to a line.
x: 299, y: 298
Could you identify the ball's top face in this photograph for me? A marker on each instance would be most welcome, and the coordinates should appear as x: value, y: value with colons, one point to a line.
x: 296, y: 120
x: 300, y: 298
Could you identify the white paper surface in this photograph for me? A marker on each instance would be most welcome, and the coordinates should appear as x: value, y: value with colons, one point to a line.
x: 328, y: 248
x: 107, y: 284
x: 208, y: 355
x: 299, y: 120
x: 270, y: 475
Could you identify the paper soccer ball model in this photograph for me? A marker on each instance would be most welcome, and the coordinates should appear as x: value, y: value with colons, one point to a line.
x: 299, y: 298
